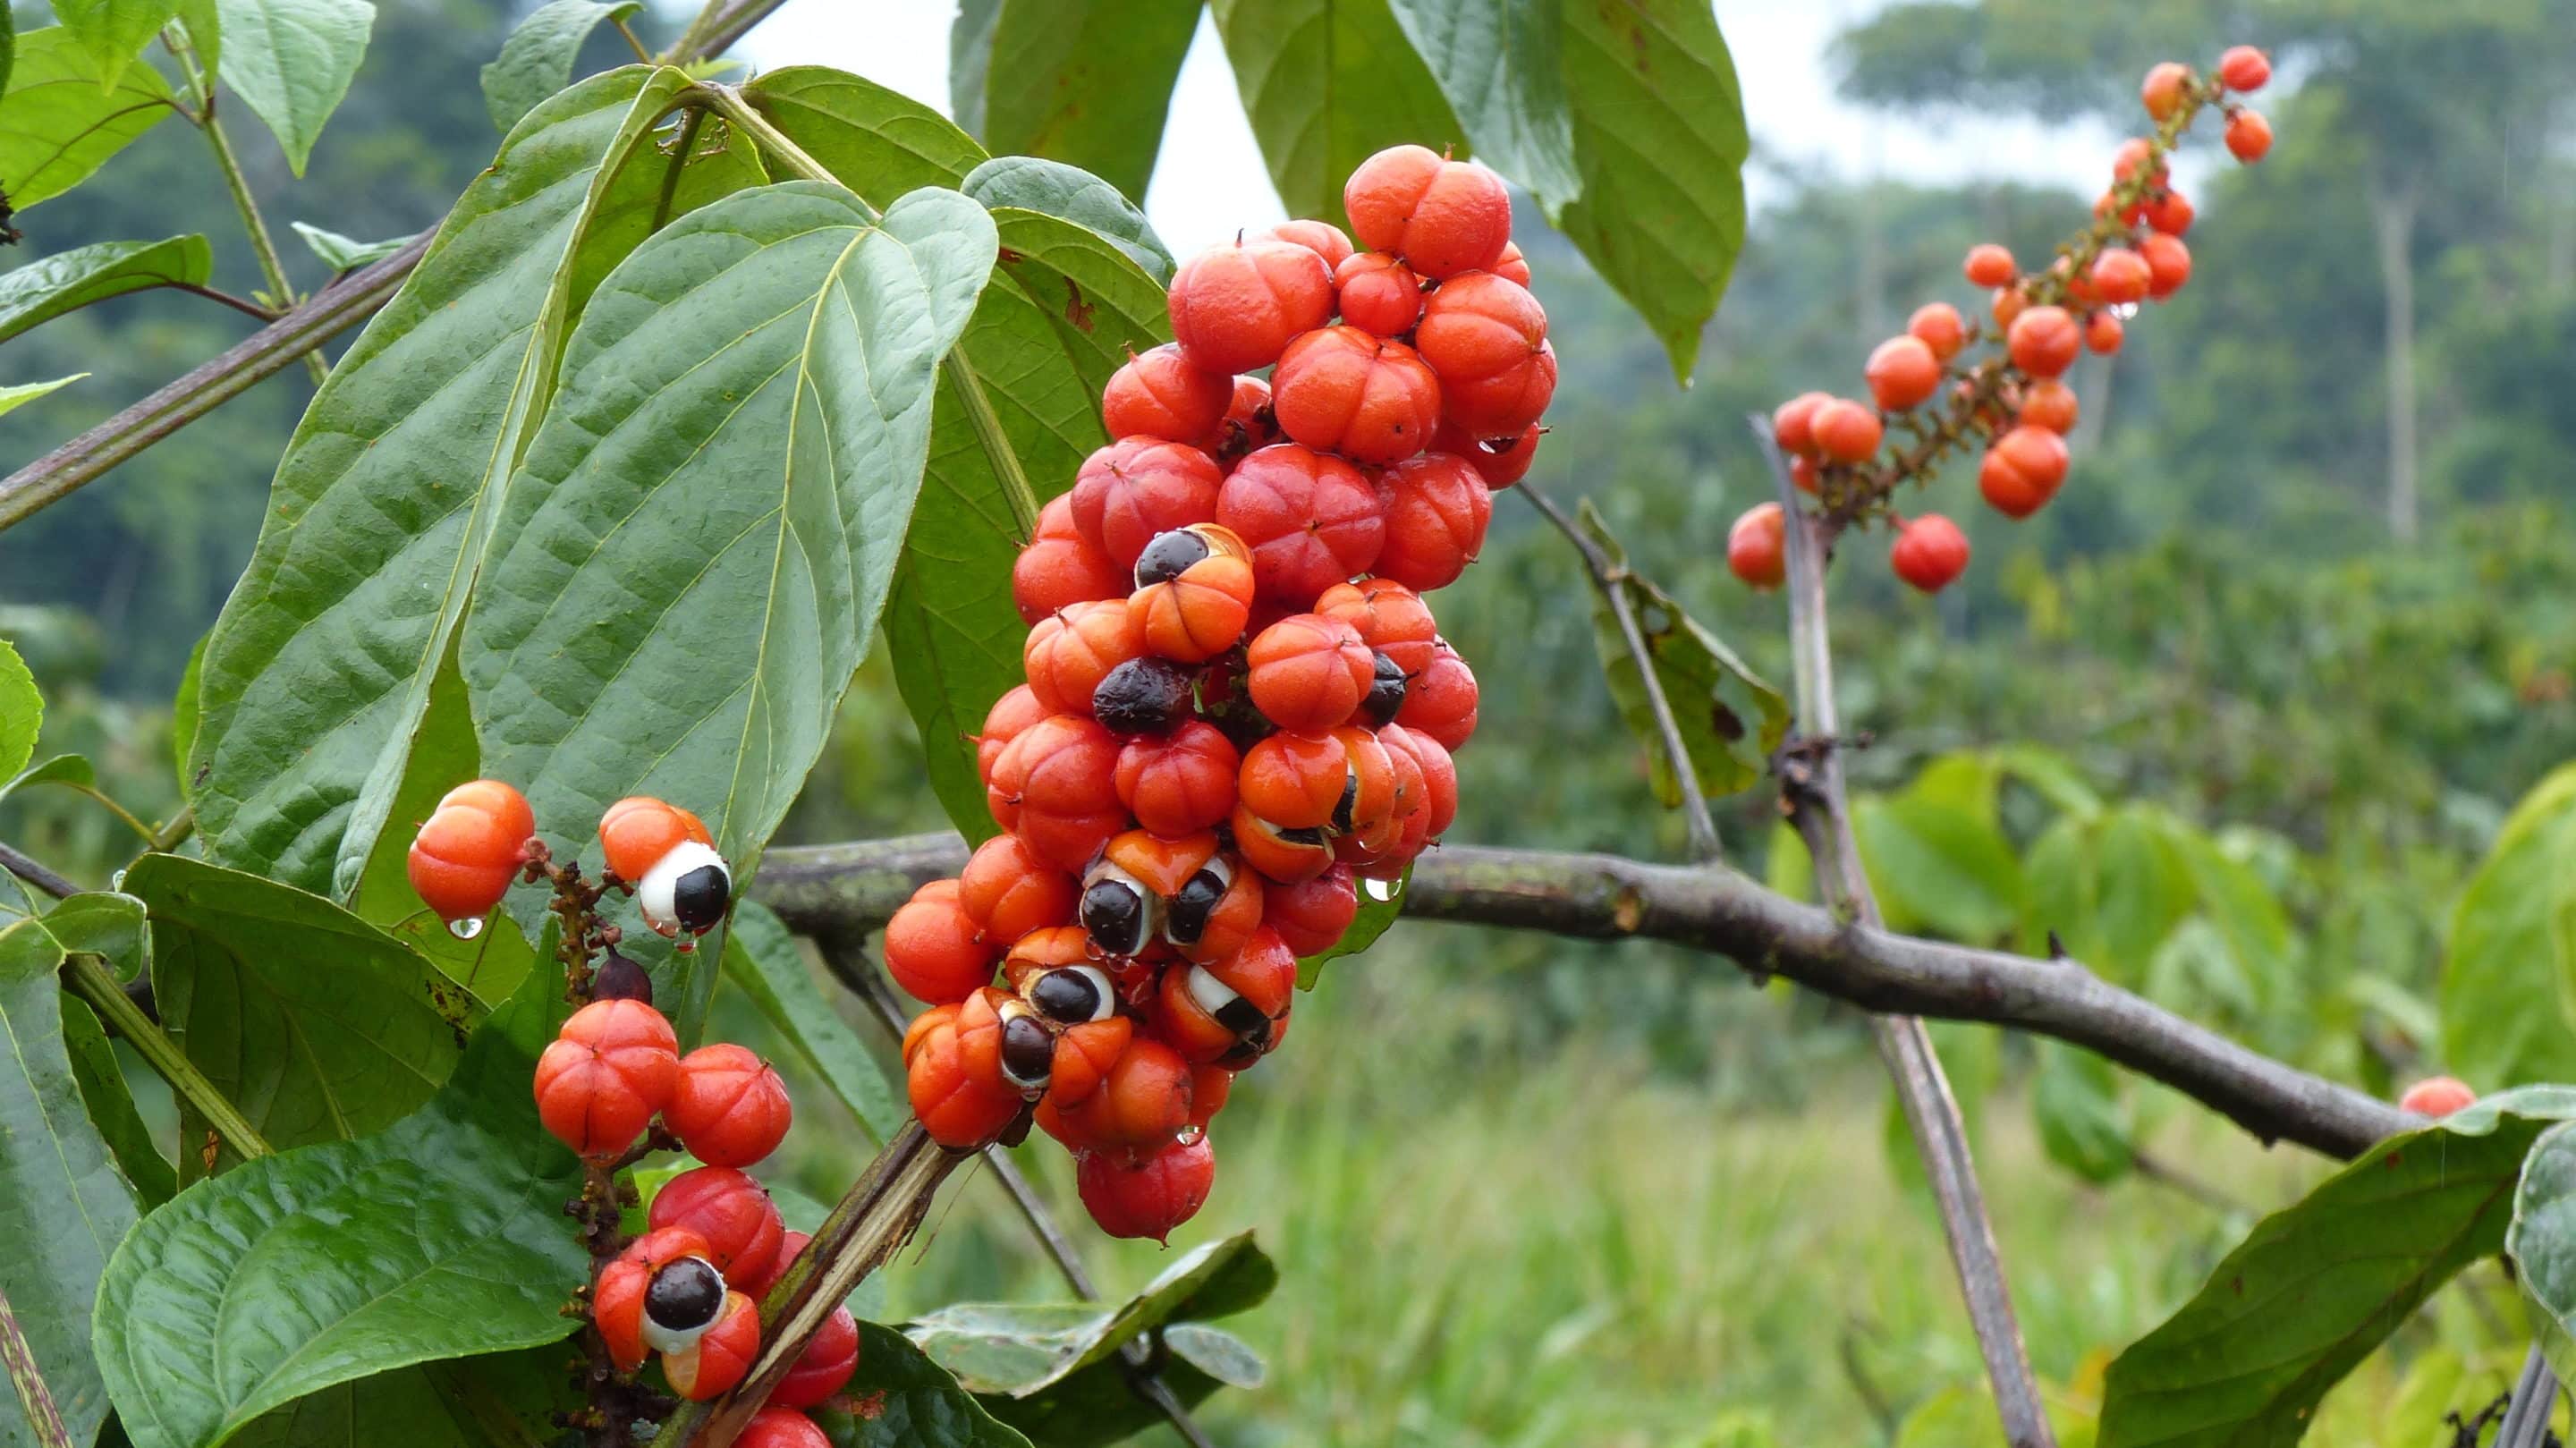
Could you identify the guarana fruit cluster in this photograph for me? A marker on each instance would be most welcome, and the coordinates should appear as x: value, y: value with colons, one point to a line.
x: 1238, y: 704
x: 687, y: 1290
x: 2014, y: 401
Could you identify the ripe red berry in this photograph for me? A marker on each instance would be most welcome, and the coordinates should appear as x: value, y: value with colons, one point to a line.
x: 1310, y: 519
x: 2049, y: 403
x: 1439, y: 776
x: 1501, y: 462
x: 1989, y: 265
x: 2134, y: 153
x: 1281, y: 855
x: 1237, y: 306
x: 1311, y: 914
x: 1071, y: 650
x: 1322, y: 238
x: 2168, y: 265
x: 1052, y: 786
x: 1147, y: 1196
x: 1939, y: 327
x: 1014, y: 711
x: 1143, y: 1098
x: 2170, y: 212
x: 958, y: 1110
x: 2022, y: 470
x: 2163, y: 89
x: 1294, y: 780
x: 1180, y: 783
x: 710, y: 1367
x: 2249, y: 136
x: 1008, y: 891
x: 1378, y: 293
x: 1930, y: 551
x: 1793, y: 422
x: 2044, y: 340
x: 471, y: 848
x: 2243, y: 68
x: 640, y: 832
x: 826, y: 1364
x: 2438, y: 1095
x: 1136, y: 488
x: 1486, y: 340
x: 785, y: 1427
x: 1757, y: 547
x: 1437, y: 508
x: 1512, y: 266
x: 1308, y: 672
x: 1225, y: 1012
x: 615, y: 1064
x: 617, y: 1299
x: 1903, y: 372
x: 2121, y: 276
x: 1442, y: 217
x: 2102, y: 333
x: 933, y: 948
x: 1060, y: 566
x: 1248, y: 423
x: 1164, y: 394
x: 1347, y: 391
x: 734, y: 1215
x: 1209, y: 1088
x: 1845, y: 431
x: 729, y: 1108
x: 1390, y: 617
x: 1440, y: 701
x: 2009, y: 303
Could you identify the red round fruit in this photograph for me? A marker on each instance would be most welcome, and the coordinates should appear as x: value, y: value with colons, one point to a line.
x: 1437, y: 508
x: 1200, y: 611
x: 1143, y: 1098
x: 1439, y: 776
x: 2169, y: 212
x: 1237, y: 306
x: 2168, y: 264
x: 1052, y: 787
x: 1501, y: 462
x: 1311, y: 914
x: 637, y: 831
x: 2437, y: 1096
x: 1350, y: 392
x: 1486, y: 340
x: 1845, y: 431
x: 1929, y: 552
x: 470, y: 848
x: 2049, y: 403
x: 1136, y: 488
x: 1162, y: 393
x: 1310, y: 519
x: 1511, y: 266
x: 1322, y: 238
x: 733, y: 1214
x: 1903, y: 372
x: 2022, y: 470
x: 1061, y: 567
x: 1308, y: 672
x: 2135, y: 152
x: 1283, y: 856
x: 617, y: 1298
x: 1793, y: 422
x: 1248, y: 423
x: 958, y: 1110
x: 1148, y: 1196
x: 1008, y: 891
x: 1443, y: 217
x: 2249, y: 136
x: 2121, y: 276
x: 1294, y: 781
x: 2044, y: 340
x: 1378, y: 293
x: 933, y: 948
x: 730, y: 1108
x: 1181, y: 783
x: 1440, y: 701
x: 2243, y: 68
x: 717, y: 1361
x: 1938, y: 326
x: 1014, y: 711
x: 829, y: 1359
x: 784, y: 1427
x: 2103, y: 333
x: 2162, y: 91
x: 1390, y: 617
x: 1071, y: 650
x: 2009, y: 303
x: 1989, y: 265
x: 614, y: 1066
x: 1757, y: 546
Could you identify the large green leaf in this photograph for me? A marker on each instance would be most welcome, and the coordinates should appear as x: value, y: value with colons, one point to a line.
x: 22, y: 710
x: 907, y: 1401
x: 440, y: 1237
x: 319, y: 1026
x: 2319, y: 1285
x: 537, y: 59
x: 1030, y: 183
x: 1940, y: 866
x: 2082, y: 1109
x: 881, y: 143
x: 2507, y: 955
x: 761, y: 960
x: 43, y: 290
x: 63, y: 1203
x: 1084, y: 81
x: 112, y: 927
x: 2542, y: 1238
x: 316, y: 677
x: 1626, y: 123
x: 696, y: 551
x: 57, y: 126
x: 479, y: 1402
x: 1730, y: 719
x: 1327, y: 84
x: 291, y: 61
x: 113, y: 32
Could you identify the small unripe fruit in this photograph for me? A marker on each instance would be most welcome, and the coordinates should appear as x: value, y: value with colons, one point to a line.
x: 1437, y: 509
x: 1757, y: 546
x: 2121, y: 276
x: 1236, y: 306
x: 730, y: 1108
x: 1310, y: 519
x: 1163, y: 393
x: 1440, y: 701
x: 2044, y: 341
x: 1378, y: 293
x: 1989, y: 265
x: 1486, y: 340
x: 711, y: 1366
x: 1309, y: 673
x: 933, y: 948
x: 1137, y: 488
x: 1845, y: 431
x: 1179, y: 784
x: 1501, y: 462
x: 2249, y: 136
x: 2022, y: 470
x: 1443, y: 217
x: 1902, y: 372
x: 785, y: 1427
x: 821, y: 1370
x: 615, y: 1064
x: 735, y: 1216
x: 1930, y: 551
x: 2438, y: 1095
x: 1147, y: 1197
x: 1938, y: 326
x: 2168, y: 264
x: 2243, y: 68
x: 1322, y: 238
x: 2162, y: 91
x: 2049, y: 403
x: 1350, y: 392
x: 1007, y: 891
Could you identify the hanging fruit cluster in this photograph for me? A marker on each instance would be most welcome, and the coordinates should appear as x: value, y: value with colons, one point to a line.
x: 2001, y: 386
x: 614, y: 1086
x: 1238, y: 703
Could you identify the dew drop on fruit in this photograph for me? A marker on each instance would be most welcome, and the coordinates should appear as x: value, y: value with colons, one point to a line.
x: 467, y: 928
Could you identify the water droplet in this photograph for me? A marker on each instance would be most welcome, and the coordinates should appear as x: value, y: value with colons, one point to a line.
x: 467, y: 928
x: 686, y: 947
x: 1381, y: 890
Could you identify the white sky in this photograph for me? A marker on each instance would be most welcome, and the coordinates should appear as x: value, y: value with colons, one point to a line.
x: 1778, y: 45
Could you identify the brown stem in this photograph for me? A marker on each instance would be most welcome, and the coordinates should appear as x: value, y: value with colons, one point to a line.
x: 18, y: 1362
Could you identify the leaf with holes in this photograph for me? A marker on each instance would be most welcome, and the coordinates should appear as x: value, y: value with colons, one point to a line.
x: 69, y: 280
x: 1083, y: 81
x: 536, y: 61
x: 57, y: 126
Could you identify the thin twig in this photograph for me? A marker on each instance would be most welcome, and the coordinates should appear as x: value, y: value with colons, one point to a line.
x: 2535, y: 1393
x: 18, y: 1360
x: 36, y: 873
x: 716, y: 28
x: 87, y: 976
x: 262, y: 244
x: 1610, y: 578
x: 632, y: 43
x: 1813, y: 788
x: 238, y: 304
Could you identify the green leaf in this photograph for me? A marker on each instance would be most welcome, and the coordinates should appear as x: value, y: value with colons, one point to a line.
x: 2052, y: 776
x: 1327, y: 84
x: 1939, y: 866
x: 881, y: 143
x: 8, y: 44
x: 57, y: 126
x: 440, y: 1237
x: 761, y: 960
x: 341, y: 253
x: 1730, y: 719
x: 105, y: 924
x: 536, y: 61
x: 291, y: 61
x: 1380, y: 902
x: 113, y: 32
x: 205, y: 30
x: 908, y: 1401
x: 480, y: 1402
x: 2318, y: 1285
x: 43, y: 290
x: 111, y: 1106
x: 694, y: 556
x: 2144, y: 890
x: 1083, y: 81
x: 22, y: 711
x: 319, y: 1026
x: 2542, y: 1238
x: 183, y: 718
x: 2083, y: 1114
x: 2506, y: 955
x: 1075, y: 195
x: 11, y: 398
x: 1626, y: 123
x: 316, y: 677
x: 63, y: 1203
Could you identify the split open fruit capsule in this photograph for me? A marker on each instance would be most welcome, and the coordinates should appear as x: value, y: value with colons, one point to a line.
x: 680, y: 881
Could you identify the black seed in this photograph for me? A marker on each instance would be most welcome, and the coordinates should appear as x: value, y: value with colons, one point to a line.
x: 1187, y: 917
x: 1243, y: 1018
x: 1070, y: 996
x: 1142, y: 696
x: 685, y: 1294
x: 1113, y: 913
x: 1386, y: 692
x: 621, y: 979
x: 699, y: 897
x: 1310, y: 835
x: 1028, y: 1051
x: 1168, y: 556
x: 1349, y: 801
